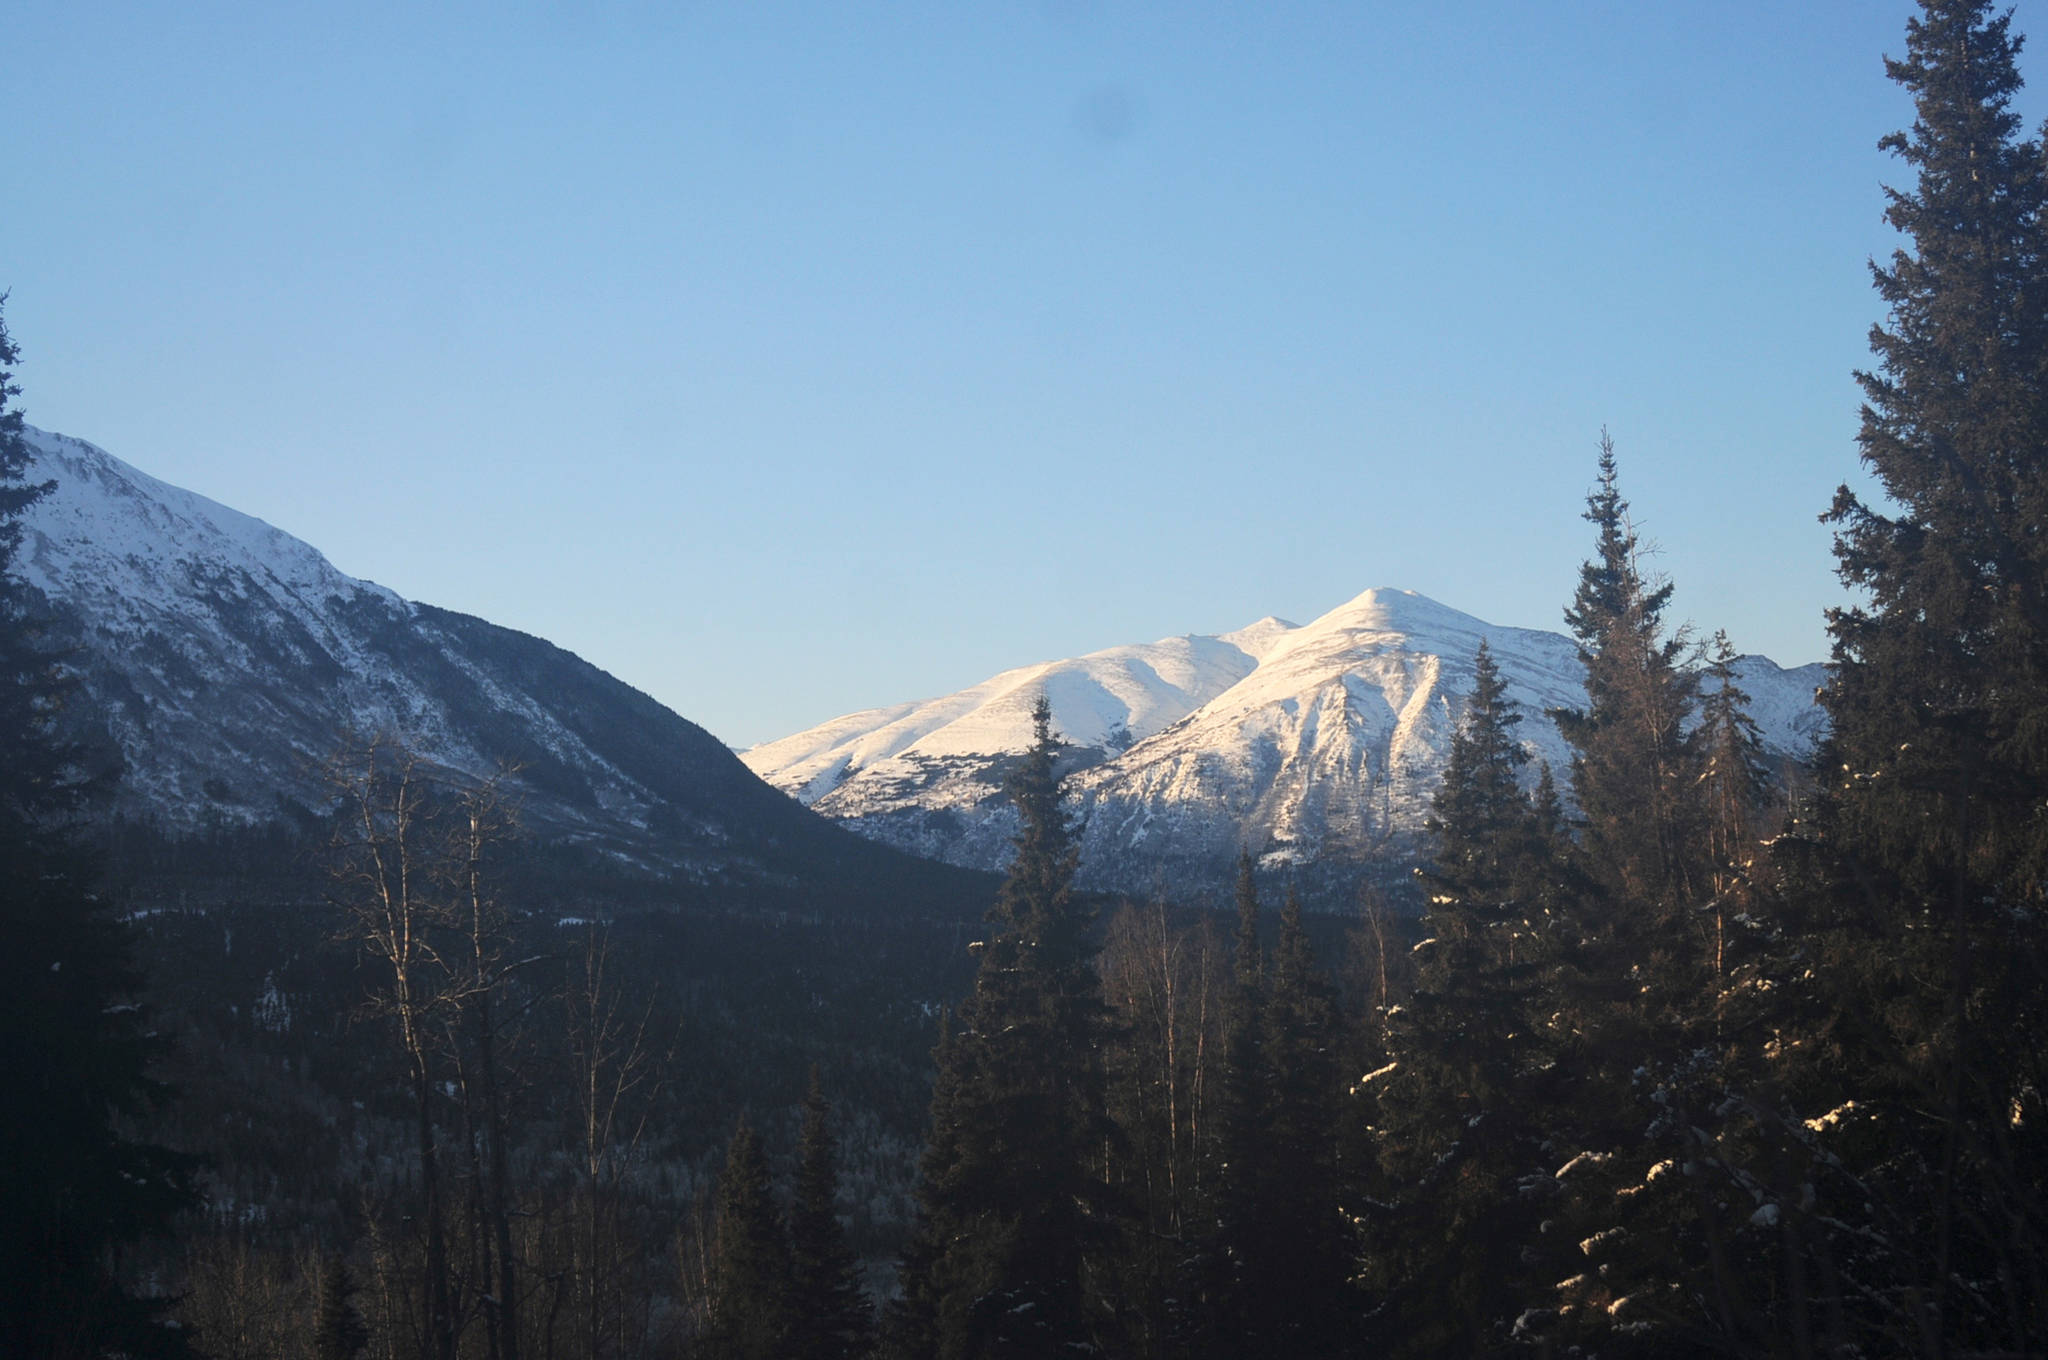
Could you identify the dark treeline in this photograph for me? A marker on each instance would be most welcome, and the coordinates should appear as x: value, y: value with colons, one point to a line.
x: 531, y: 1105
x: 1681, y: 1063
x: 1678, y: 1058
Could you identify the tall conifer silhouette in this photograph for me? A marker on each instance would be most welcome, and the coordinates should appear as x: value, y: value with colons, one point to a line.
x: 1015, y: 1212
x: 75, y: 1054
x: 1935, y: 779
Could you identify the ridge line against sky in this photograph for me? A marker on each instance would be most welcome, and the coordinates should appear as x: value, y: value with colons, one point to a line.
x: 789, y: 361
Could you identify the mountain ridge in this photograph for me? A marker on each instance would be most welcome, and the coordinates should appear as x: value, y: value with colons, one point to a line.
x: 227, y: 659
x: 1319, y: 754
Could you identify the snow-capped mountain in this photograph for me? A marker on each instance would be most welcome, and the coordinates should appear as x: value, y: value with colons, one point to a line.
x: 1106, y: 699
x: 1316, y: 746
x: 226, y: 659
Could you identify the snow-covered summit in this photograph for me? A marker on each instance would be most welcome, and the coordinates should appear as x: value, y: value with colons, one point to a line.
x: 226, y: 658
x: 1109, y: 699
x: 1318, y: 744
x: 120, y: 546
x: 1331, y: 747
x: 129, y: 526
x: 1391, y: 644
x: 1257, y: 639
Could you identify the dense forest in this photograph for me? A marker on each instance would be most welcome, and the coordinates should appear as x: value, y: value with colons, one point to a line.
x: 1669, y: 1054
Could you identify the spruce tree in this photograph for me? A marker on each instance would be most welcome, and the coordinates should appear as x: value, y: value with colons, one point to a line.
x: 1666, y: 788
x: 1015, y: 1214
x: 1244, y: 1093
x: 1733, y: 787
x: 1479, y: 812
x: 828, y: 1315
x: 75, y: 1053
x: 909, y: 1328
x: 1631, y: 762
x: 750, y: 1266
x: 1240, y: 1132
x: 1934, y: 806
x: 338, y: 1330
x: 1454, y: 1112
x: 1218, y: 1283
x: 1299, y: 1253
x: 1665, y: 1264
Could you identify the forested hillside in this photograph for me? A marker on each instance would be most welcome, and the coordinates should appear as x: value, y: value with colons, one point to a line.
x: 1680, y: 1057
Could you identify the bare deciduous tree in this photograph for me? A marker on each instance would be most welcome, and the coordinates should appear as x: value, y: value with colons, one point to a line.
x: 382, y: 871
x: 616, y: 1070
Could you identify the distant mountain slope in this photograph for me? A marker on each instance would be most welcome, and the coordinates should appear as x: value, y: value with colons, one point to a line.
x: 1106, y: 699
x: 1318, y: 747
x: 227, y: 659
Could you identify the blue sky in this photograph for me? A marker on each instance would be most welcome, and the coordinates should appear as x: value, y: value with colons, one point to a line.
x: 787, y: 360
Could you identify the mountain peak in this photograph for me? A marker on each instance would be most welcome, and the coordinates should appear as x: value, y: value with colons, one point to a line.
x: 1319, y: 744
x: 226, y: 658
x: 1257, y: 639
x: 1390, y: 609
x: 136, y: 542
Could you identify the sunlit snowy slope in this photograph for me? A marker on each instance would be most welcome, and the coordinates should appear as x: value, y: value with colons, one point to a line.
x: 226, y: 659
x: 1316, y: 746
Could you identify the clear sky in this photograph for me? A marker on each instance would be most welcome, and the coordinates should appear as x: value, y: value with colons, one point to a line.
x: 787, y: 360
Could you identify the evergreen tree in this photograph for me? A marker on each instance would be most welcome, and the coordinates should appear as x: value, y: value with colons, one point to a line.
x: 1934, y: 808
x: 1015, y: 1214
x: 1733, y: 787
x: 1239, y: 1142
x: 1274, y: 1276
x: 1628, y: 990
x: 1298, y: 1251
x: 75, y: 1054
x: 1248, y: 957
x: 1478, y: 815
x: 338, y: 1330
x: 910, y: 1319
x: 1631, y: 766
x: 1668, y: 809
x: 750, y: 1267
x: 828, y: 1315
x: 1665, y: 1264
x: 1455, y: 1111
x: 1244, y: 1094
